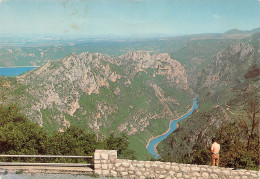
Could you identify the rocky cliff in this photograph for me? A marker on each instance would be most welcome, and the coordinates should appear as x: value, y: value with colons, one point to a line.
x: 225, y: 87
x: 135, y: 93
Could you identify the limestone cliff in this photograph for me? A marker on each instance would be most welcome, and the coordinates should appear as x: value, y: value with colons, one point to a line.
x: 134, y: 93
x: 225, y: 88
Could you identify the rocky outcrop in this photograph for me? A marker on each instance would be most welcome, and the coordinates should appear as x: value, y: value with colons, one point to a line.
x: 227, y: 66
x: 96, y: 90
x: 164, y: 65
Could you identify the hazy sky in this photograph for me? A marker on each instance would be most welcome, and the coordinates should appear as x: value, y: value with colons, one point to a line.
x: 127, y: 17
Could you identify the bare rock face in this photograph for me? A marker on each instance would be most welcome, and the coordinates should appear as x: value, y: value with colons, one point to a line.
x: 227, y: 66
x: 164, y: 65
x: 94, y: 89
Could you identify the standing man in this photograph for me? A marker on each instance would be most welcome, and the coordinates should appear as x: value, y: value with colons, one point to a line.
x: 215, y: 148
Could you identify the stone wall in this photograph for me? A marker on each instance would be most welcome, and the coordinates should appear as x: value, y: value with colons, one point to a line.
x: 107, y: 164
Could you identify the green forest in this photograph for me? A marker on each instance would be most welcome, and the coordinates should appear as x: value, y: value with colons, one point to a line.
x: 20, y: 136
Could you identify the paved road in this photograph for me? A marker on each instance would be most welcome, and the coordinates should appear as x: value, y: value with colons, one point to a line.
x: 46, y: 176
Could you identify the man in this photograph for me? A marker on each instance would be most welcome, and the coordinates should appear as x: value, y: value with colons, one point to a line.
x: 215, y: 148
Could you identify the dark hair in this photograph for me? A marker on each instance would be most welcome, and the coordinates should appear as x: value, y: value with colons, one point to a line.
x: 214, y: 140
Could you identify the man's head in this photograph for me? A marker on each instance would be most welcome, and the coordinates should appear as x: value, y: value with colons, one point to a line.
x: 214, y: 140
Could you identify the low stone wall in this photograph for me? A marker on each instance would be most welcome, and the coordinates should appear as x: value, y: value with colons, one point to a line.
x: 107, y: 164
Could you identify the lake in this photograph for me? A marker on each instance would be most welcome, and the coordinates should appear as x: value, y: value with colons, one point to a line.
x: 14, y: 71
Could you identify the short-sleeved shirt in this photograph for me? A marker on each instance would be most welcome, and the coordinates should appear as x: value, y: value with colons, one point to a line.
x: 215, y: 148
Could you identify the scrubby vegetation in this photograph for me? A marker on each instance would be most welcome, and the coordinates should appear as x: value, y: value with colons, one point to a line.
x: 239, y: 140
x: 20, y: 136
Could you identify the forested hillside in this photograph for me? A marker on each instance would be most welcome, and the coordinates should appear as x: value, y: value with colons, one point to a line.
x: 228, y: 109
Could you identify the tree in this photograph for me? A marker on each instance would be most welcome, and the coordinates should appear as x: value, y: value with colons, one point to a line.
x: 240, y: 139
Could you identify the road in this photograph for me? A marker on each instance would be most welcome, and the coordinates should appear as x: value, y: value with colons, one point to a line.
x: 47, y: 176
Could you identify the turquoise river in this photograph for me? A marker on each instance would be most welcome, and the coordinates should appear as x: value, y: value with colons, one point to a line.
x: 172, y: 127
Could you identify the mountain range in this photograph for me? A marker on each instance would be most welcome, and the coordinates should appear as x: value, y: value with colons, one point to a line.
x: 225, y: 87
x: 140, y: 92
x: 131, y: 94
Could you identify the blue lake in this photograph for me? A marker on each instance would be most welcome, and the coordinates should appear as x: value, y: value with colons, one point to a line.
x: 14, y: 71
x: 173, y: 127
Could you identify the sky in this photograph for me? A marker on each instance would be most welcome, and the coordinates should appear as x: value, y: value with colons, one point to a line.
x: 126, y: 18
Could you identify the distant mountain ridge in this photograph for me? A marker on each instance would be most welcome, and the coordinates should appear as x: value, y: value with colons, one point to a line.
x: 237, y: 31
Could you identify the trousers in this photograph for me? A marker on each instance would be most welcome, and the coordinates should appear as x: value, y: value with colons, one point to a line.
x: 215, y: 159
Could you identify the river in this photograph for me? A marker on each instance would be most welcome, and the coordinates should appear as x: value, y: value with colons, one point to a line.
x: 151, y: 147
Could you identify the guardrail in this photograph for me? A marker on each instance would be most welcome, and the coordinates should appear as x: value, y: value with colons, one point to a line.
x: 46, y: 164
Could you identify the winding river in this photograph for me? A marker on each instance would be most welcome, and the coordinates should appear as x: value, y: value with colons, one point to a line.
x: 151, y: 146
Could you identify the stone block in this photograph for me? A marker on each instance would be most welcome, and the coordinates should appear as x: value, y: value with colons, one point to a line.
x: 151, y: 176
x: 225, y: 172
x: 118, y: 165
x: 113, y: 173
x: 205, y: 175
x: 110, y: 166
x: 121, y: 169
x: 196, y: 174
x: 124, y: 173
x: 185, y: 169
x: 97, y: 161
x: 147, y: 165
x: 162, y: 166
x: 203, y: 169
x: 97, y: 156
x: 97, y: 166
x: 175, y: 168
x: 167, y: 167
x: 125, y: 164
x: 112, y: 159
x: 179, y: 175
x: 212, y: 175
x: 163, y: 172
x: 140, y: 165
x: 209, y: 170
x: 131, y: 167
x: 171, y: 173
x: 254, y: 175
x: 194, y: 168
x: 99, y: 172
x: 216, y: 170
x: 142, y: 169
x: 138, y: 173
x: 161, y: 176
x: 104, y: 156
x: 105, y: 172
x: 104, y: 166
x: 131, y: 172
x: 186, y: 176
